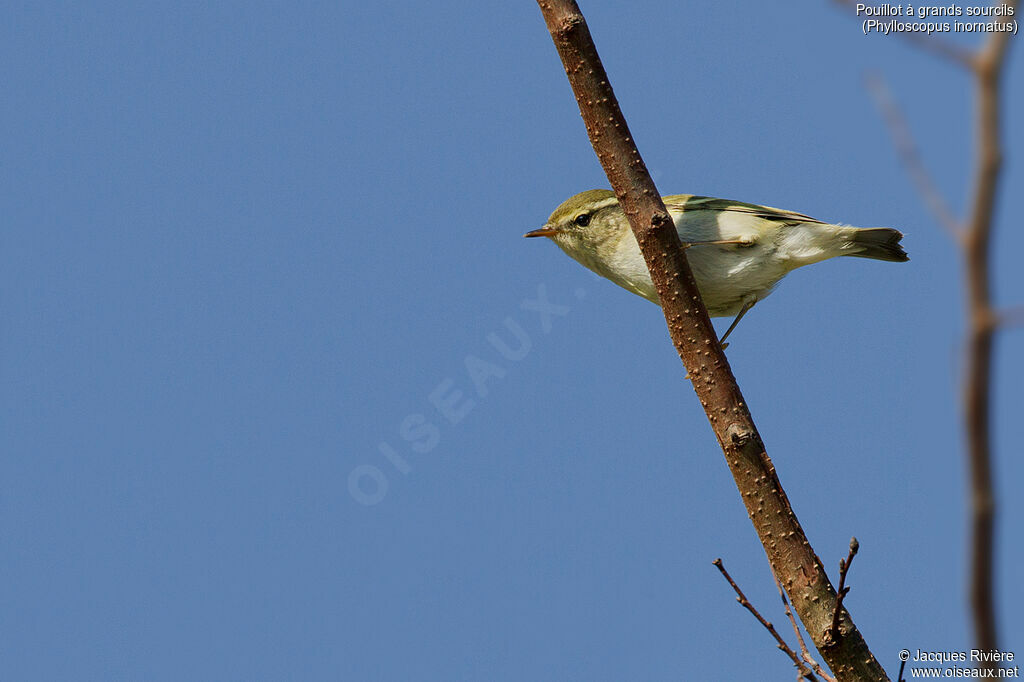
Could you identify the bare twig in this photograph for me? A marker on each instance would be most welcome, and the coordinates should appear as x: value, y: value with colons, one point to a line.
x: 805, y: 672
x: 977, y: 390
x: 1011, y: 317
x: 844, y: 567
x: 903, y: 140
x: 932, y: 43
x: 781, y: 535
x: 804, y: 653
x: 975, y: 238
x: 942, y: 48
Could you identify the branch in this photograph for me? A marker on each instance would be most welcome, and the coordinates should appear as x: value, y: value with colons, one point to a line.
x: 788, y: 549
x: 800, y: 638
x: 932, y: 43
x: 977, y: 389
x: 1011, y: 317
x: 903, y: 140
x: 975, y: 238
x: 844, y: 568
x: 941, y: 48
x: 805, y: 672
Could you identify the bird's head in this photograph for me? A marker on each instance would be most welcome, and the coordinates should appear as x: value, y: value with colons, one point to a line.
x: 584, y: 224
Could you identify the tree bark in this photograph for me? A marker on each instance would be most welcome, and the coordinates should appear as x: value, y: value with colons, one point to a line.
x: 982, y: 324
x: 789, y: 552
x: 974, y: 237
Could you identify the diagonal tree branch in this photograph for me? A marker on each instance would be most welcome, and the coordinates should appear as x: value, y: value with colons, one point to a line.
x: 942, y: 48
x: 789, y: 552
x: 815, y: 666
x: 805, y: 672
x: 1011, y: 317
x: 903, y: 140
x: 951, y: 52
x: 844, y: 569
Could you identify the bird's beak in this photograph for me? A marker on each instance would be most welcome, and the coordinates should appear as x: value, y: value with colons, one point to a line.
x: 546, y: 231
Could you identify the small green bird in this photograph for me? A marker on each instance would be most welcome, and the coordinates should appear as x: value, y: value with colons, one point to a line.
x: 738, y: 252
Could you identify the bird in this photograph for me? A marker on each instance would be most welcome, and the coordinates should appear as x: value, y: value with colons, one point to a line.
x: 738, y: 252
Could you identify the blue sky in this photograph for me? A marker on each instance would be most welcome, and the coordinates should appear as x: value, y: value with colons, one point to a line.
x: 246, y: 244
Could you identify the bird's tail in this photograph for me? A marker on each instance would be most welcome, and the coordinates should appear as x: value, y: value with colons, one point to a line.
x: 880, y: 243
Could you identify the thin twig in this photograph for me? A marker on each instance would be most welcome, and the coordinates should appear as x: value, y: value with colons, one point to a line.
x: 903, y: 140
x: 799, y: 637
x: 975, y: 237
x: 932, y: 43
x: 981, y: 320
x: 805, y: 672
x: 844, y: 568
x: 943, y: 48
x: 1011, y: 317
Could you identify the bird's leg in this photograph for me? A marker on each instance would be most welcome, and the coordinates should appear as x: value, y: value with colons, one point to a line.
x: 747, y: 305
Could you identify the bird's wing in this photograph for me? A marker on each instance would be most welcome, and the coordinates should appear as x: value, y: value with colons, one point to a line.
x: 686, y: 202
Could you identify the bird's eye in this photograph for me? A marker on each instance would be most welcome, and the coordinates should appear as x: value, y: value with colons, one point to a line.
x: 583, y: 219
